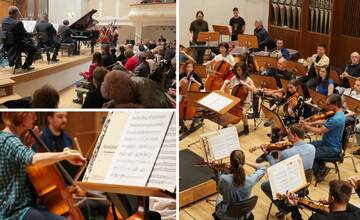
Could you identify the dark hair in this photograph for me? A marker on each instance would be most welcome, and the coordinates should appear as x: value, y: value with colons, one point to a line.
x: 122, y: 49
x: 235, y: 9
x: 335, y: 99
x: 45, y: 97
x: 243, y: 69
x: 199, y: 12
x: 185, y: 65
x: 97, y: 58
x: 325, y: 82
x: 340, y: 190
x: 224, y: 44
x: 99, y: 75
x: 297, y: 129
x: 66, y: 22
x: 237, y: 160
x: 322, y: 45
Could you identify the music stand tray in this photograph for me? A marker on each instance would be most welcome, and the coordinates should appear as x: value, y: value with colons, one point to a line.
x: 207, y: 37
x: 317, y: 98
x: 249, y: 41
x: 223, y: 30
x: 225, y: 109
x: 352, y: 104
x: 267, y: 82
x: 297, y: 68
x: 275, y: 118
x: 265, y: 62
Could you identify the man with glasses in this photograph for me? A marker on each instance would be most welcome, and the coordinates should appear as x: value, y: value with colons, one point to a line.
x: 332, y: 130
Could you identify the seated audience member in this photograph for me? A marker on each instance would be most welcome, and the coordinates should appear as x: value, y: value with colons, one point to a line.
x: 150, y: 59
x: 170, y: 82
x: 338, y: 201
x: 122, y: 58
x: 236, y: 186
x: 325, y: 85
x: 96, y: 62
x: 93, y: 98
x: 307, y: 154
x: 106, y: 57
x: 132, y: 61
x: 46, y: 28
x: 332, y: 130
x: 316, y: 61
x: 124, y: 91
x: 352, y: 70
x: 143, y: 68
x: 45, y: 97
x: 113, y: 55
x: 279, y: 51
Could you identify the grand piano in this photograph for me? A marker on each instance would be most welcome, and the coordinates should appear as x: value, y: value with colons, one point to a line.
x: 84, y: 30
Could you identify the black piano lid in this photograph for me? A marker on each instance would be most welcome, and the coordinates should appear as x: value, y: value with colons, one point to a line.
x: 85, y: 21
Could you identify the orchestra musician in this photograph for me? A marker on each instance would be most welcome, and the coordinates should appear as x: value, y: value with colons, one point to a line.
x: 338, y: 201
x: 325, y: 85
x: 241, y: 77
x: 280, y: 72
x: 114, y: 36
x: 332, y: 130
x: 21, y: 43
x: 197, y: 26
x: 237, y: 24
x: 104, y: 37
x: 280, y: 51
x: 45, y: 27
x: 16, y: 192
x: 355, y: 183
x: 236, y: 186
x: 307, y: 154
x: 352, y: 69
x: 261, y: 33
x: 65, y: 34
x: 318, y: 60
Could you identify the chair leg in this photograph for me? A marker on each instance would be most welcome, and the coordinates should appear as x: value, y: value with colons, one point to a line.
x: 353, y: 162
x: 337, y: 170
x: 268, y: 214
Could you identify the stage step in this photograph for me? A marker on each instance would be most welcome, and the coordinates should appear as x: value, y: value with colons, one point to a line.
x: 6, y: 87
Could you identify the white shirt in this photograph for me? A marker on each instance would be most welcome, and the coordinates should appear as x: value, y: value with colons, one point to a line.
x: 229, y: 59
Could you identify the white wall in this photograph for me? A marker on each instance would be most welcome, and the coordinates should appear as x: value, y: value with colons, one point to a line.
x: 154, y: 32
x: 219, y: 12
x: 60, y: 10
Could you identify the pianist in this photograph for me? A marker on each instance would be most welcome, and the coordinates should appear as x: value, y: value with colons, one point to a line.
x: 45, y: 27
x: 21, y: 41
x: 65, y: 33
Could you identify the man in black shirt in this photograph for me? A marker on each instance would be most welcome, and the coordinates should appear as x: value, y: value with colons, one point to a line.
x: 65, y: 35
x: 339, y: 196
x: 46, y: 28
x: 197, y: 26
x: 21, y: 41
x: 237, y: 24
x: 280, y: 72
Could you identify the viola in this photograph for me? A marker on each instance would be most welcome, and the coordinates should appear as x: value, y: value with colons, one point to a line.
x: 315, y: 206
x: 240, y: 91
x: 280, y: 146
x: 51, y: 188
x: 187, y: 112
x: 321, y: 116
x: 216, y: 77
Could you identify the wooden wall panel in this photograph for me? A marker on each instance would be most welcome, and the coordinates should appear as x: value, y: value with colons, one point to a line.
x: 311, y: 40
x: 4, y: 4
x: 291, y: 37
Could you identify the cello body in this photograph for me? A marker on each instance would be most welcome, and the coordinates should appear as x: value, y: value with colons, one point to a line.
x: 216, y: 77
x: 187, y: 112
x: 241, y: 92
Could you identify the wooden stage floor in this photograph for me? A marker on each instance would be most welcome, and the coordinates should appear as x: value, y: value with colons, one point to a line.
x: 202, y: 210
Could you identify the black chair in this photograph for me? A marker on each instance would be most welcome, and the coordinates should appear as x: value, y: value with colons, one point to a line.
x: 241, y: 209
x: 42, y: 39
x: 8, y: 39
x: 301, y: 193
x: 340, y: 158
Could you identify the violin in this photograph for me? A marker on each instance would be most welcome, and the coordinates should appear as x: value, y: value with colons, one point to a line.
x: 321, y: 116
x: 187, y: 112
x: 273, y: 146
x: 221, y: 167
x: 216, y: 77
x: 315, y: 206
x: 51, y: 188
x: 240, y: 91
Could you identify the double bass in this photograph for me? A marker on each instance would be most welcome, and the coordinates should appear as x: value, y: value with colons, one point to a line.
x: 216, y: 77
x: 51, y: 188
x: 187, y: 112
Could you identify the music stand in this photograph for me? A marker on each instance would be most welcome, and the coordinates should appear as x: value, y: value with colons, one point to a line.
x: 264, y: 62
x: 223, y: 30
x: 248, y: 41
x: 275, y: 119
x: 207, y: 37
x: 317, y: 98
x: 352, y: 81
x: 297, y: 68
x: 352, y: 104
x: 201, y: 71
x: 335, y: 76
x: 267, y: 82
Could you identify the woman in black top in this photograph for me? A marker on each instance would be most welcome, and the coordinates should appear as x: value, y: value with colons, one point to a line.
x: 94, y: 99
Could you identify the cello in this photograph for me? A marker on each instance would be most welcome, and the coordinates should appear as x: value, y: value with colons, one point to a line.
x: 51, y: 188
x: 241, y: 92
x: 216, y: 77
x: 187, y: 112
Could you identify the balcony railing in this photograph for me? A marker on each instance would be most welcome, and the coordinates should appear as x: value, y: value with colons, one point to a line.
x: 165, y: 10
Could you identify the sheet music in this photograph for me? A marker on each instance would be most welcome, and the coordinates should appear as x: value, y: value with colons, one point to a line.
x: 56, y: 26
x: 164, y: 173
x: 106, y: 147
x: 29, y: 25
x: 215, y: 101
x: 138, y: 148
x: 287, y: 175
x: 224, y: 143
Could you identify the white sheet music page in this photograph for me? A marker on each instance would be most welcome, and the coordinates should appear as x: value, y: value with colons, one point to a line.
x: 287, y: 175
x: 215, y: 101
x: 106, y: 146
x: 29, y: 25
x: 164, y: 174
x: 138, y: 148
x: 224, y: 143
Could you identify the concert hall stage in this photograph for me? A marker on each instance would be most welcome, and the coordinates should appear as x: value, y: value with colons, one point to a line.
x: 60, y: 75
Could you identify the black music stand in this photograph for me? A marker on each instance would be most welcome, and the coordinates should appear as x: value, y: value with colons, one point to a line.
x: 275, y: 120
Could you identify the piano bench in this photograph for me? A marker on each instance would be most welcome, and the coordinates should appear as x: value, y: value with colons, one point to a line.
x: 68, y: 48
